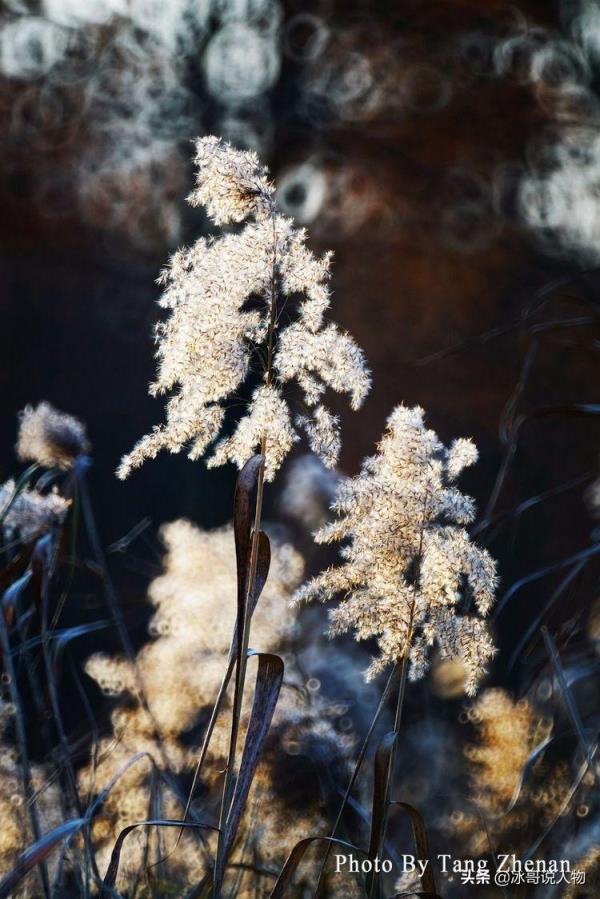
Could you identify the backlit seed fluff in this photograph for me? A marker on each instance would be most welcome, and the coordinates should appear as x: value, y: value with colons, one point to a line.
x: 181, y: 668
x: 268, y: 414
x: 409, y: 562
x: 213, y: 335
x: 49, y: 437
x: 29, y: 513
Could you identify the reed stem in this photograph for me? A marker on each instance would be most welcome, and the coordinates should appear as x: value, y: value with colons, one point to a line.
x: 241, y: 667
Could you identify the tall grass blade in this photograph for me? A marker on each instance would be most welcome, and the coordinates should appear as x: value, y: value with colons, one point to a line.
x: 381, y: 778
x: 247, y: 543
x: 112, y: 872
x: 269, y: 678
x: 421, y: 846
x: 572, y: 710
x: 262, y: 571
x: 381, y: 782
x: 295, y: 857
x: 38, y: 853
x: 19, y: 487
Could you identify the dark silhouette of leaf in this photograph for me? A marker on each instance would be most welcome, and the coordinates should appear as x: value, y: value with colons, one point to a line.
x: 38, y: 853
x: 542, y: 572
x: 113, y: 868
x: 263, y: 564
x: 387, y: 692
x: 295, y: 858
x: 262, y: 571
x: 242, y: 528
x: 570, y: 705
x: 421, y: 846
x: 381, y: 783
x: 384, y: 758
x: 21, y: 735
x: 247, y: 544
x: 539, y: 618
x: 269, y: 678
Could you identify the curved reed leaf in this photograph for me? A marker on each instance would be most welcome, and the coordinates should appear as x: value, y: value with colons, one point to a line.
x: 11, y: 596
x: 383, y: 700
x: 20, y: 728
x: 421, y: 846
x: 19, y: 487
x: 570, y: 705
x: 262, y: 571
x: 60, y: 638
x: 295, y: 858
x: 542, y: 572
x: 38, y: 853
x: 269, y: 678
x: 247, y: 543
x: 545, y: 294
x: 539, y: 618
x: 530, y: 503
x: 242, y: 527
x: 511, y: 434
x: 10, y: 573
x: 384, y: 758
x: 263, y: 564
x: 113, y: 868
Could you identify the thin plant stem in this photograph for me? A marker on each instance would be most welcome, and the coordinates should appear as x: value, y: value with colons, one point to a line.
x: 66, y: 760
x: 387, y: 692
x: 229, y: 783
x: 392, y: 759
x: 241, y: 667
x: 22, y: 744
x: 116, y: 611
x: 403, y: 662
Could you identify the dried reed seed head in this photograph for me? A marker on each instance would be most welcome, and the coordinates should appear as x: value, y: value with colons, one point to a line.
x: 16, y: 833
x: 199, y: 583
x: 30, y: 513
x: 507, y: 733
x: 231, y: 184
x: 181, y: 670
x: 409, y: 562
x: 219, y: 295
x: 49, y: 437
x: 194, y: 598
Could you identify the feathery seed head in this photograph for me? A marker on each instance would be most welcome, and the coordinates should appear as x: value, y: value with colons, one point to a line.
x: 231, y: 184
x: 30, y: 513
x: 49, y: 437
x: 181, y: 670
x: 409, y: 562
x: 212, y: 333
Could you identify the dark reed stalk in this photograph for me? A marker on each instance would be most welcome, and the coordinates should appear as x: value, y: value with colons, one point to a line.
x: 379, y: 840
x: 46, y: 551
x: 387, y: 692
x: 21, y: 734
x: 114, y: 606
x: 244, y: 620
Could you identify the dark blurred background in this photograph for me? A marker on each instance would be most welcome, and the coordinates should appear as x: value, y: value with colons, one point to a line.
x: 448, y: 152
